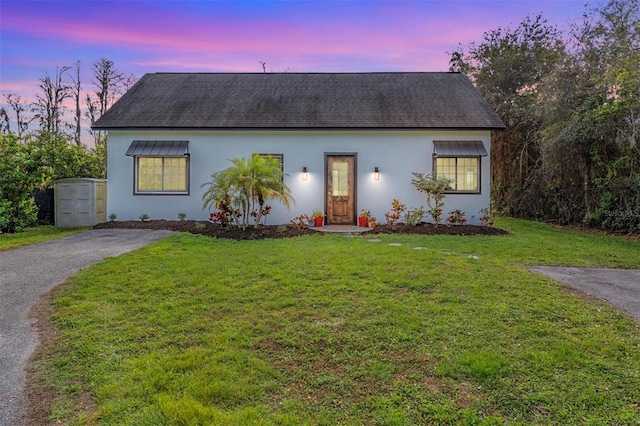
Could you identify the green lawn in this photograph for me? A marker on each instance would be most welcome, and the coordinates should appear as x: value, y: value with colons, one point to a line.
x: 35, y: 235
x: 328, y: 329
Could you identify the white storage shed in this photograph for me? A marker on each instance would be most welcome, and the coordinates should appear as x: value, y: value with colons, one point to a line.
x: 80, y: 202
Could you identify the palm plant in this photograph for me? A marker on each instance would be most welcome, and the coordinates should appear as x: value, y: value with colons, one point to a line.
x: 247, y: 184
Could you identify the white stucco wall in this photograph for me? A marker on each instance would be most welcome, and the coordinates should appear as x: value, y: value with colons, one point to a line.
x: 396, y: 153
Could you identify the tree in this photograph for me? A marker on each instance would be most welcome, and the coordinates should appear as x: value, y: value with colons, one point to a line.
x: 34, y: 162
x: 15, y: 102
x: 109, y: 85
x: 49, y: 105
x: 17, y: 206
x: 5, y: 125
x: 571, y: 151
x: 507, y: 68
x: 76, y: 94
x: 592, y: 108
x: 246, y: 186
x: 54, y: 156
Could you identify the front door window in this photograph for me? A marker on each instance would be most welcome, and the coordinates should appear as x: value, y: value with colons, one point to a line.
x: 340, y: 189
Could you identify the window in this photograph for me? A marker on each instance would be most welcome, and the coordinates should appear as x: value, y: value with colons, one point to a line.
x: 160, y: 167
x: 280, y: 159
x: 463, y: 171
x: 340, y: 178
x: 161, y: 174
x: 460, y: 162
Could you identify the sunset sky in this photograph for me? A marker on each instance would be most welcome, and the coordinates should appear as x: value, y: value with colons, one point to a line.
x: 213, y: 36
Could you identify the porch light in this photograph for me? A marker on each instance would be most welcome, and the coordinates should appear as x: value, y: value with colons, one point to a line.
x: 376, y: 173
x: 304, y: 173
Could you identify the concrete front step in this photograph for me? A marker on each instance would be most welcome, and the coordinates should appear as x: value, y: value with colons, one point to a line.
x: 341, y: 229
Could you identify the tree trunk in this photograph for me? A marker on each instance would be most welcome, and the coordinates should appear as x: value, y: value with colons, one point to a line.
x: 586, y: 181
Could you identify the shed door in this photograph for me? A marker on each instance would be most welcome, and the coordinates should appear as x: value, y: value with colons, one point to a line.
x: 340, y: 189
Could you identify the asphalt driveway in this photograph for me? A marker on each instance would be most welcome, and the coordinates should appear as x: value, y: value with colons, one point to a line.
x: 620, y: 287
x: 27, y: 273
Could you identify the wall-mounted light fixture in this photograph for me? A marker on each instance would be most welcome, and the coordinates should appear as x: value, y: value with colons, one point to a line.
x: 376, y: 173
x: 304, y: 173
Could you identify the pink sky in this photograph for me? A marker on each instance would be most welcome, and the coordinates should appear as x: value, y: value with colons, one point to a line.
x: 213, y: 36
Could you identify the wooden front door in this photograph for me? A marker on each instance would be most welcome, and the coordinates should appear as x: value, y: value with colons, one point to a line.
x: 341, y: 189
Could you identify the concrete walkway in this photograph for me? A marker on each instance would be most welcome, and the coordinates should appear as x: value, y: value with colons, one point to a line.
x: 620, y: 287
x: 341, y: 229
x: 29, y: 272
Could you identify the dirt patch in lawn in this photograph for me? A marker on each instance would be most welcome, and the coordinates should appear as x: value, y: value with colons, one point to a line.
x: 39, y: 391
x: 283, y: 231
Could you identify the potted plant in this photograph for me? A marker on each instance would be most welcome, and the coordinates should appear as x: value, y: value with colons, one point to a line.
x: 311, y: 220
x: 318, y: 216
x: 372, y: 222
x: 364, y: 218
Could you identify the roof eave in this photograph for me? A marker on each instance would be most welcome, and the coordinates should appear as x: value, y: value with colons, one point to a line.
x: 295, y: 128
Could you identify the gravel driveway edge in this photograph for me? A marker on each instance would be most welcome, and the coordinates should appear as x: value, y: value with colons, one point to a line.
x: 27, y: 273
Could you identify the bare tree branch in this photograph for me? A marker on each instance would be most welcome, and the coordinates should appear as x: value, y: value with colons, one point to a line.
x: 49, y: 106
x: 15, y: 102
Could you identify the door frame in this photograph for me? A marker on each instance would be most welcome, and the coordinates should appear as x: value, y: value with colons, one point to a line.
x: 355, y: 182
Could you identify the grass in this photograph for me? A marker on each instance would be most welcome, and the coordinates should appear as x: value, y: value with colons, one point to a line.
x: 35, y: 235
x: 325, y: 330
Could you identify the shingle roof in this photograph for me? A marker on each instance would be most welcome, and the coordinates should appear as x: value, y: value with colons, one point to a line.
x: 301, y: 100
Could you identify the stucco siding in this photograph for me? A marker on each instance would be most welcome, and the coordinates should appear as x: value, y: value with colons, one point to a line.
x: 396, y: 153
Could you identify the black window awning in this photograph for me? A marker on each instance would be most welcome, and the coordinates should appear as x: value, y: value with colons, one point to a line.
x: 459, y: 149
x: 158, y: 149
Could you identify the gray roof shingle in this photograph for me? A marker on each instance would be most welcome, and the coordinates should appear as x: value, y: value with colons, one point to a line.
x: 301, y: 100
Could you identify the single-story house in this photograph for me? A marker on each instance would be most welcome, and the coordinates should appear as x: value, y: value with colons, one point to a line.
x: 346, y: 141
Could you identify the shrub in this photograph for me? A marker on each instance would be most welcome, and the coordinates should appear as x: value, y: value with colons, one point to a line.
x: 299, y: 222
x: 396, y: 211
x: 486, y: 219
x: 225, y: 214
x: 618, y: 207
x: 263, y: 213
x: 143, y: 217
x: 414, y: 217
x: 456, y: 217
x: 182, y: 216
x: 434, y: 188
x: 34, y: 162
x: 17, y: 181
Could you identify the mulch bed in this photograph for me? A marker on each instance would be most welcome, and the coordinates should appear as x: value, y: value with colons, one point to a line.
x: 282, y: 231
x: 430, y: 229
